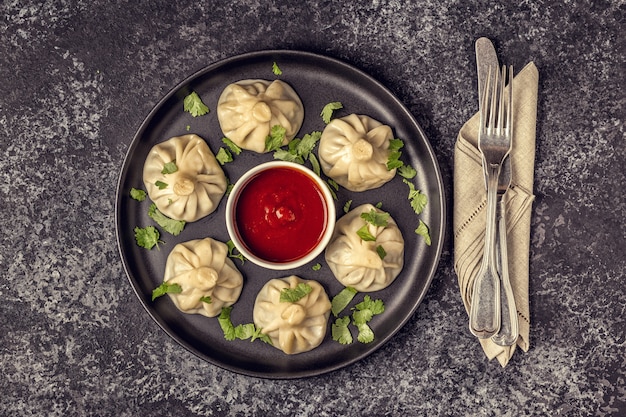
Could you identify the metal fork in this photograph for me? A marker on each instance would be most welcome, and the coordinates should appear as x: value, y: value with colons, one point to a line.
x: 494, y: 142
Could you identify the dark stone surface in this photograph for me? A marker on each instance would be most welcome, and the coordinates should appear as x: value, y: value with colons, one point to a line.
x: 79, y: 77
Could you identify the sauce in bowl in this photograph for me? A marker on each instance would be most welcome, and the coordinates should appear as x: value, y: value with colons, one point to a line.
x: 281, y: 215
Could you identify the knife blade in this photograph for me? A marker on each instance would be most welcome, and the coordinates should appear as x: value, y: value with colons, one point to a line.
x: 487, y: 58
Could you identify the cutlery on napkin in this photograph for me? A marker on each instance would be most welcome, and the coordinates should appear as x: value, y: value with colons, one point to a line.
x: 470, y: 203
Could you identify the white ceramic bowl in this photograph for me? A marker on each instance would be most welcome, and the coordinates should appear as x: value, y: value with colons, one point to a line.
x: 236, y: 225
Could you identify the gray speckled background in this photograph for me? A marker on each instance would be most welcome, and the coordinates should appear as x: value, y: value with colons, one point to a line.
x: 78, y: 77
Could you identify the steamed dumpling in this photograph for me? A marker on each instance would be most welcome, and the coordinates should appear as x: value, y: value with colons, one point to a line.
x: 293, y: 327
x: 354, y: 151
x: 197, y: 186
x: 203, y: 270
x: 248, y: 109
x: 356, y: 262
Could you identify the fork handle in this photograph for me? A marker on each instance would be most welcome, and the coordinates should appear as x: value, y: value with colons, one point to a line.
x: 509, y: 326
x: 485, y: 306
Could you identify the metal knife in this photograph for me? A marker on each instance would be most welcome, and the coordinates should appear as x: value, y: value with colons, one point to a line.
x: 486, y: 58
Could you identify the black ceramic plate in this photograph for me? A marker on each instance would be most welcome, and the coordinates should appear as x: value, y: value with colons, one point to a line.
x: 318, y: 80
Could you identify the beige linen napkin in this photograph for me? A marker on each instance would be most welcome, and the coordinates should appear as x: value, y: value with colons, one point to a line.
x: 470, y: 201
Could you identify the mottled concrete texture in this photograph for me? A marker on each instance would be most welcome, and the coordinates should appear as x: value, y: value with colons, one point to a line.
x: 78, y: 77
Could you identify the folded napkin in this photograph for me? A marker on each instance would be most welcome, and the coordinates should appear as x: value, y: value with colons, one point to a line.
x: 469, y: 212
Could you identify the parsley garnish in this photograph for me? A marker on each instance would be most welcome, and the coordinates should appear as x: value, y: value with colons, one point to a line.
x: 194, y: 105
x: 169, y: 225
x: 166, y: 288
x: 169, y: 168
x: 161, y: 185
x: 224, y: 156
x: 365, y: 235
x: 292, y: 295
x: 136, y: 194
x: 242, y: 331
x: 375, y: 218
x: 417, y: 199
x: 147, y: 237
x: 342, y: 299
x: 232, y: 254
x: 234, y: 148
x: 346, y: 207
x: 407, y: 171
x: 393, y: 160
x: 207, y: 300
x: 276, y: 70
x: 299, y: 150
x: 422, y: 230
x: 362, y: 313
x: 341, y: 332
x: 327, y: 111
x: 275, y: 139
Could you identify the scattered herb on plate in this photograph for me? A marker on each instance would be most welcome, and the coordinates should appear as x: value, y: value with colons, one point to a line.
x: 171, y: 226
x: 147, y: 237
x: 194, y: 105
x: 137, y: 194
x: 166, y: 288
x: 327, y: 111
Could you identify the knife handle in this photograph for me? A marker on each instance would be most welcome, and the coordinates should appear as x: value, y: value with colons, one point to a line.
x: 509, y: 326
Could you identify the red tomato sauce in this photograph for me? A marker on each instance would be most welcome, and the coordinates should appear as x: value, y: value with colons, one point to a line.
x: 280, y: 214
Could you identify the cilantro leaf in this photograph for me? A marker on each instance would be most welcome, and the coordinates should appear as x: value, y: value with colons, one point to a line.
x: 300, y: 150
x: 276, y: 70
x: 137, y: 194
x: 147, y: 237
x: 341, y: 332
x: 395, y: 145
x: 315, y: 165
x: 366, y: 335
x: 364, y: 234
x: 194, y: 105
x: 292, y: 295
x: 224, y: 156
x: 376, y: 306
x: 422, y: 230
x: 275, y: 139
x: 285, y: 155
x: 346, y: 207
x: 393, y: 161
x: 166, y: 288
x: 416, y: 198
x: 376, y: 218
x: 169, y: 168
x: 407, y: 171
x: 226, y: 324
x: 327, y: 111
x: 232, y: 254
x: 242, y: 331
x: 342, y: 299
x: 207, y: 300
x: 234, y: 148
x: 169, y: 225
x: 161, y: 185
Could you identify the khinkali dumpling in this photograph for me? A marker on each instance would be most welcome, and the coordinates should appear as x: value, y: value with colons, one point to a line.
x: 354, y: 151
x: 293, y: 327
x: 196, y: 187
x: 248, y: 109
x: 205, y: 273
x: 360, y: 263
